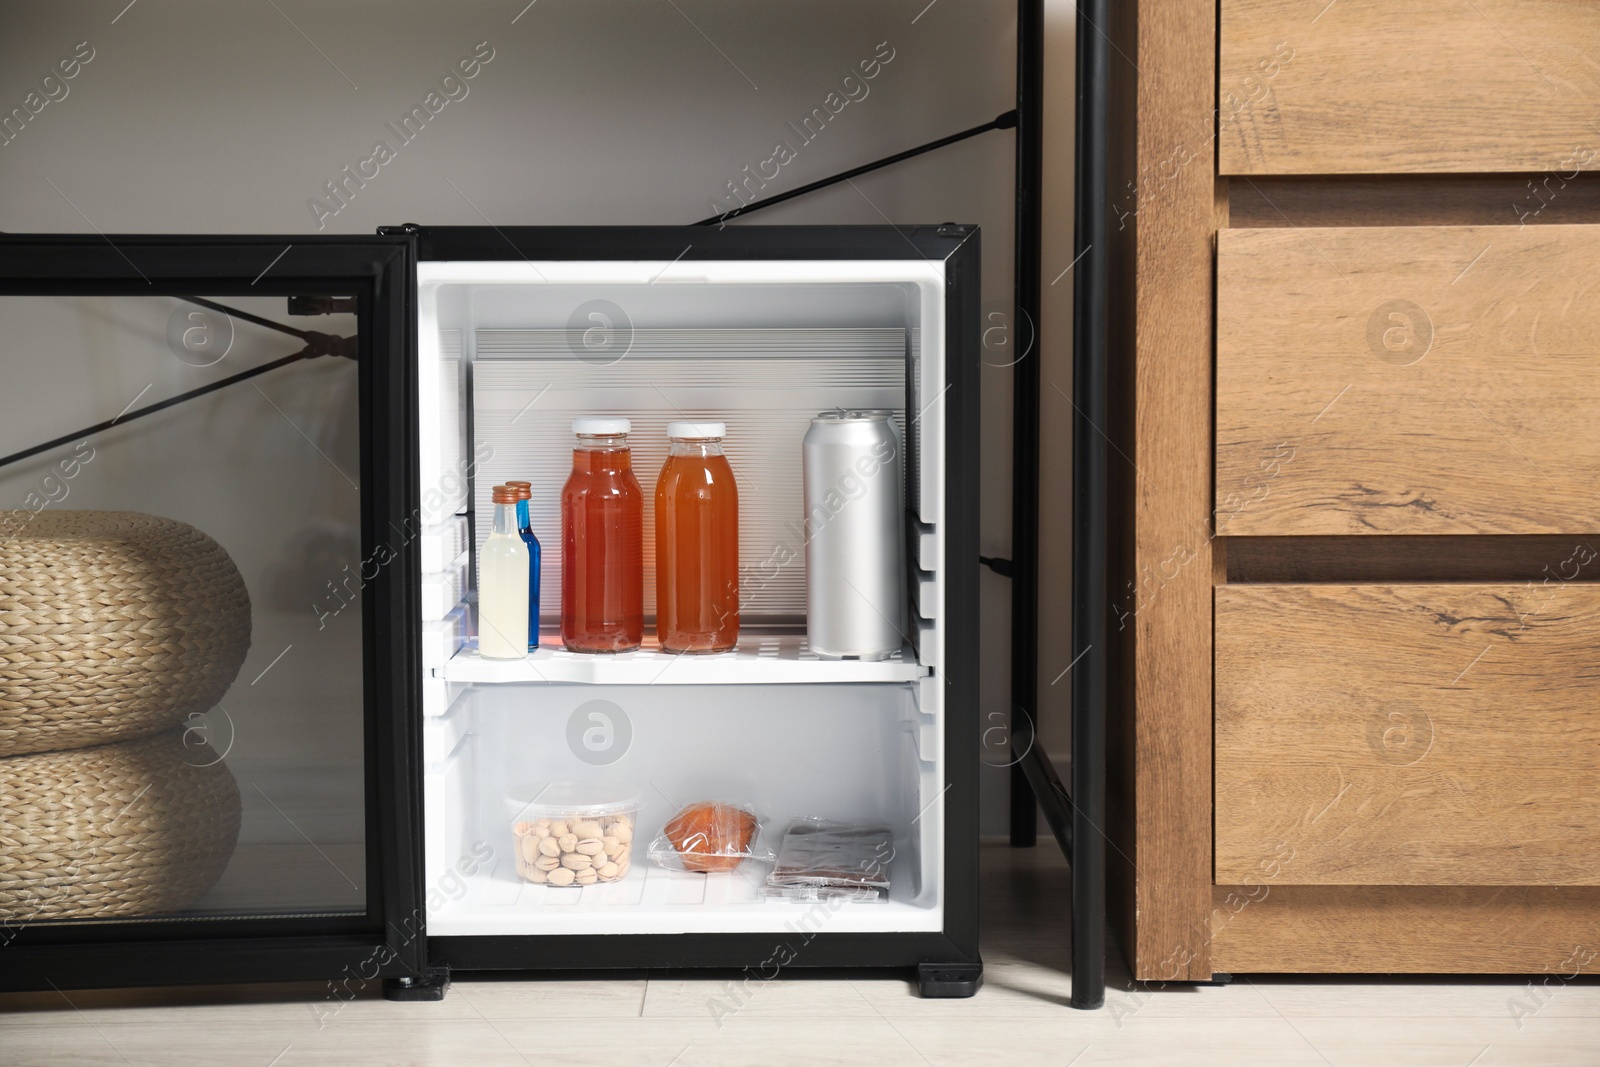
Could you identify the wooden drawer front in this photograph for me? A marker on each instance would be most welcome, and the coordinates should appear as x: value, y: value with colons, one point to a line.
x: 1408, y: 86
x: 1428, y: 380
x: 1444, y: 734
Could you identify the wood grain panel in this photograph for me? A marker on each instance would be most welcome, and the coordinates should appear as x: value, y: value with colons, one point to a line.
x: 1410, y: 200
x: 1405, y: 929
x: 1408, y: 381
x: 1547, y: 560
x: 1408, y: 734
x: 1174, y: 230
x: 1407, y: 86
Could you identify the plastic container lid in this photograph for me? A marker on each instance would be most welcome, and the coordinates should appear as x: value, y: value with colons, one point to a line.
x: 558, y: 800
x: 697, y: 429
x: 601, y: 426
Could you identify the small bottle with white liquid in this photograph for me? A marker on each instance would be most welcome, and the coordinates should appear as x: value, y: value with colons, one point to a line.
x: 503, y: 566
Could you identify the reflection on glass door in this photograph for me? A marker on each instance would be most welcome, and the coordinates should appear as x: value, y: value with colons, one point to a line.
x: 181, y: 668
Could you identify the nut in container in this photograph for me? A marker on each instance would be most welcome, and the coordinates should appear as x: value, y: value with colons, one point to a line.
x: 572, y: 833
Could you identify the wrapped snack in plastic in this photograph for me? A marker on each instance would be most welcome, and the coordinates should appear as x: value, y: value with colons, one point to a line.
x: 820, y: 860
x: 707, y: 837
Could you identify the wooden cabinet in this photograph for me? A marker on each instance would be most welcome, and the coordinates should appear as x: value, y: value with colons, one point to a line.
x: 1416, y: 380
x: 1357, y: 600
x: 1429, y: 734
x: 1408, y: 86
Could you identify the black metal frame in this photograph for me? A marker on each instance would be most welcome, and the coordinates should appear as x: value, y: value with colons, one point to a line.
x: 1075, y: 816
x: 1090, y: 502
x: 388, y: 939
x: 317, y: 344
x: 948, y: 961
x: 1026, y: 321
x: 1004, y: 121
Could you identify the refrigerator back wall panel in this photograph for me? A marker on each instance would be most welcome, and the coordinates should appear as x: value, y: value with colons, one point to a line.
x: 764, y: 384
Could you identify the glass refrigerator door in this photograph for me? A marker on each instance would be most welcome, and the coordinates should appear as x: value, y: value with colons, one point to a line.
x: 207, y: 465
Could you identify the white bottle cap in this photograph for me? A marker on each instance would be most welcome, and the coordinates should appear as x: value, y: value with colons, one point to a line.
x: 697, y: 429
x: 601, y: 426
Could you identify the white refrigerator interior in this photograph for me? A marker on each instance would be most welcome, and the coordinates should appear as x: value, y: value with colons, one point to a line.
x: 510, y: 353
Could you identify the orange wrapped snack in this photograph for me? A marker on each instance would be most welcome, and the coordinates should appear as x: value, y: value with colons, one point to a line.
x: 707, y: 837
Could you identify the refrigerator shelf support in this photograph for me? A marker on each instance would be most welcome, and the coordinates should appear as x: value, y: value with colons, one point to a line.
x: 766, y: 659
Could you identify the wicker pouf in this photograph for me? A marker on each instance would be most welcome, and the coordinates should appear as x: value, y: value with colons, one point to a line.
x: 140, y: 827
x: 113, y: 625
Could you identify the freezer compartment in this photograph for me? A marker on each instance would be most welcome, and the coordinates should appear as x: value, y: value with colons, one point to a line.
x: 861, y: 753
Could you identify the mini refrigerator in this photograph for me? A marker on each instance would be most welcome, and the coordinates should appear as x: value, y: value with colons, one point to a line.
x: 243, y: 721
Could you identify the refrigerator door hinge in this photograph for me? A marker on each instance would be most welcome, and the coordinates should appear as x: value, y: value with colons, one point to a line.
x: 322, y: 305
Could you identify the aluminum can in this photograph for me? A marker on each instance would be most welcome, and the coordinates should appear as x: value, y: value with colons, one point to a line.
x: 854, y: 530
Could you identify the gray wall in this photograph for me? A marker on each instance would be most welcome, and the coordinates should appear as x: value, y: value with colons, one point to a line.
x: 199, y: 117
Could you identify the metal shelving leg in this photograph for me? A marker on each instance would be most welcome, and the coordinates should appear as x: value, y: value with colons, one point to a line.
x: 1090, y: 509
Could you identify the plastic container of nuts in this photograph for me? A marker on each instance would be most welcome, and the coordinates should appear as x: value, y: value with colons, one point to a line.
x: 572, y: 833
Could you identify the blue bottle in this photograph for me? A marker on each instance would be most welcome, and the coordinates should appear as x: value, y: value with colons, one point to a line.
x: 525, y: 528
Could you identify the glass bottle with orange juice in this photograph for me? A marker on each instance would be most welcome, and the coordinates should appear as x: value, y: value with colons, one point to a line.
x: 602, y: 542
x: 697, y: 542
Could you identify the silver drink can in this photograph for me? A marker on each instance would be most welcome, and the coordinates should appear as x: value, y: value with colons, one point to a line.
x: 855, y: 572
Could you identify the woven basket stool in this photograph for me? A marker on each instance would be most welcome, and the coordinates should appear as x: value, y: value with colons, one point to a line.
x: 113, y: 625
x: 141, y: 827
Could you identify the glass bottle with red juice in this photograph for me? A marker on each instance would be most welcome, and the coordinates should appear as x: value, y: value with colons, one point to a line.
x: 697, y: 543
x: 602, y: 542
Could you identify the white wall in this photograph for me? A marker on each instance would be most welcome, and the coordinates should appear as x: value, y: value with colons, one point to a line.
x: 198, y: 117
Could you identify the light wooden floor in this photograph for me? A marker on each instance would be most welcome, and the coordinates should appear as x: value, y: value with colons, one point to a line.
x: 1020, y: 1017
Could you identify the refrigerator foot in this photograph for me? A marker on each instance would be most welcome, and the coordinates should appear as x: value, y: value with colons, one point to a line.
x: 430, y: 987
x: 949, y: 979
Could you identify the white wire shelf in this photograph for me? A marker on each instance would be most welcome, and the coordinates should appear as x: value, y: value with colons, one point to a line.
x: 759, y: 659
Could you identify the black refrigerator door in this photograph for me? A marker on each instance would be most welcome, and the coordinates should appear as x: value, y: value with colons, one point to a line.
x: 208, y: 679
